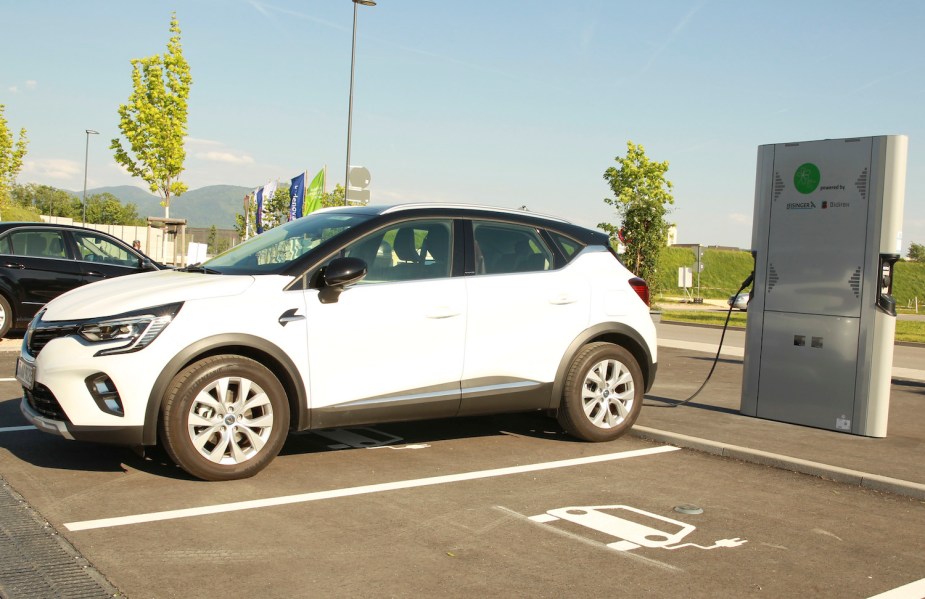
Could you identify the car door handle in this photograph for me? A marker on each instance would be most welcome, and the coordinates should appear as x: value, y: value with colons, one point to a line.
x: 13, y: 265
x: 439, y: 312
x: 563, y: 299
x: 289, y: 316
x: 95, y: 273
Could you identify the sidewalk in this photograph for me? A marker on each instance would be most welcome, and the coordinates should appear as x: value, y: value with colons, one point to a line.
x: 712, y: 423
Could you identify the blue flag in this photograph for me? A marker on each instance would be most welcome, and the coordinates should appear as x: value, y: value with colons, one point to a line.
x: 260, y: 211
x: 297, y: 196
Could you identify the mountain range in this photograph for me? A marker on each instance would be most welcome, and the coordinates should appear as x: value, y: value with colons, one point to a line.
x: 212, y: 205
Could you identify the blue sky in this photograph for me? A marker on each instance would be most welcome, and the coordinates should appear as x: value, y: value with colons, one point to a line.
x: 505, y: 102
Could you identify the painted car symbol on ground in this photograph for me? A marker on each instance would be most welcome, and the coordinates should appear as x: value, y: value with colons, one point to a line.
x: 628, y: 527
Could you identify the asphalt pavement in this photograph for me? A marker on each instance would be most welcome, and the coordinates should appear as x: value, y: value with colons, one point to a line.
x: 61, y: 482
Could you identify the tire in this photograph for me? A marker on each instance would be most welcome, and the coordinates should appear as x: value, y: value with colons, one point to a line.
x: 6, y: 317
x: 224, y: 439
x: 603, y: 393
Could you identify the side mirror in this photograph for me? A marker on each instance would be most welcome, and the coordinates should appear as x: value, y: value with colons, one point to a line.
x: 340, y: 273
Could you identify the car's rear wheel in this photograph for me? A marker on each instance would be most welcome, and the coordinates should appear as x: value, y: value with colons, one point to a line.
x: 603, y: 393
x: 6, y: 317
x: 224, y: 417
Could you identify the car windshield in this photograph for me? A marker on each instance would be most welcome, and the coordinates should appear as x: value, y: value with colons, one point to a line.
x: 272, y: 251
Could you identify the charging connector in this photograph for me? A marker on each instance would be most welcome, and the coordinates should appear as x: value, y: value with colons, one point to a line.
x: 748, y: 281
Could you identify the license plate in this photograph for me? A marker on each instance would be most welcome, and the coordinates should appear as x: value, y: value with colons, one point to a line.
x: 25, y: 373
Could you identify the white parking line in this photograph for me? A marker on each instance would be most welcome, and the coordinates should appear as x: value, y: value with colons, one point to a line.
x: 353, y: 491
x: 13, y: 429
x: 913, y: 590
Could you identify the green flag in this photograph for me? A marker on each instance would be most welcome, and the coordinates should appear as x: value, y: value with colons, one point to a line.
x: 313, y: 193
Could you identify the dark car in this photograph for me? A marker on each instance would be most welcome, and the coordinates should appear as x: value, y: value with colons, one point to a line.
x: 40, y: 261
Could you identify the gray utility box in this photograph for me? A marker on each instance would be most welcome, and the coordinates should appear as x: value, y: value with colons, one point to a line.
x: 822, y: 319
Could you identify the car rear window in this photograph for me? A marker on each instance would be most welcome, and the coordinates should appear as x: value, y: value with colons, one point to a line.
x: 568, y: 246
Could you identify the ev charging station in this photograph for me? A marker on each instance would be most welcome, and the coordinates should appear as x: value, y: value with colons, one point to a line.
x: 822, y: 319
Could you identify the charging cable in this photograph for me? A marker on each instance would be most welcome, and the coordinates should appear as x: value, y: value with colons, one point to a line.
x: 748, y: 281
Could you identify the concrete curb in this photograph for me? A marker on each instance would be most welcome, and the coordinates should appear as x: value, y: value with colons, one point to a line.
x: 875, y: 482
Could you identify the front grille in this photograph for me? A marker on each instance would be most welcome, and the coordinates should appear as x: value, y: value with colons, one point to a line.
x: 45, y: 403
x: 38, y: 337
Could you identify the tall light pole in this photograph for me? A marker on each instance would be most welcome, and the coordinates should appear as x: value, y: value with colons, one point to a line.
x: 353, y: 53
x: 86, y: 162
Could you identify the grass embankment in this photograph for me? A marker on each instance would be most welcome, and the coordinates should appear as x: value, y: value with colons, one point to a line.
x: 724, y: 270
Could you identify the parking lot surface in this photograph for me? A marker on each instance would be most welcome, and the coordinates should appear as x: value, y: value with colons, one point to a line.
x: 490, y: 506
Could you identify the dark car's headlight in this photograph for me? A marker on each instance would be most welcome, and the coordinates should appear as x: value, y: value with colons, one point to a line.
x: 137, y: 329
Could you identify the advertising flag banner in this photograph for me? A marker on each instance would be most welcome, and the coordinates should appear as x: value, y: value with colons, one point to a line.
x: 247, y: 224
x: 296, y: 196
x: 269, y: 190
x: 259, y: 217
x: 314, y: 193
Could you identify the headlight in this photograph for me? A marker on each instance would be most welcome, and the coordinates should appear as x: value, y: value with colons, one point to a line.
x: 137, y: 329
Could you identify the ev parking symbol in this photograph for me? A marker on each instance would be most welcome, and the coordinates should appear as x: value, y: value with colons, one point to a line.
x: 633, y: 527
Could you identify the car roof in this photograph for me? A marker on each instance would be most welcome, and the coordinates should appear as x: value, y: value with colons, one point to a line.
x: 399, y: 212
x: 447, y: 207
x: 6, y: 225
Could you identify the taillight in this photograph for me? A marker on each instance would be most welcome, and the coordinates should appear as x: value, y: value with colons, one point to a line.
x: 641, y: 289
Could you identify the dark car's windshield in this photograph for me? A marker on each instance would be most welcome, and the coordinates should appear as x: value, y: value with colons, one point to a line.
x: 272, y: 251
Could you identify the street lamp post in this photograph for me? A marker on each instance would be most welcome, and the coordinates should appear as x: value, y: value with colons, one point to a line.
x: 353, y: 53
x: 86, y: 162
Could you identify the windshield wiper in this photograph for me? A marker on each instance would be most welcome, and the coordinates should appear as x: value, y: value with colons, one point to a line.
x: 198, y: 267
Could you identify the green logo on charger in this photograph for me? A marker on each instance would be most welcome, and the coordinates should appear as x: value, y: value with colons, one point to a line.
x: 806, y: 178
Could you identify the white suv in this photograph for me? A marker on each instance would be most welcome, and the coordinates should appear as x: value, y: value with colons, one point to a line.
x: 345, y: 317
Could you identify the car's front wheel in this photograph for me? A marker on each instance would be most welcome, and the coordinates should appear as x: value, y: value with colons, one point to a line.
x: 224, y: 417
x: 603, y: 393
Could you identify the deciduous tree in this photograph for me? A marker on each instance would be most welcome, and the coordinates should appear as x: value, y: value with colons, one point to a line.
x: 11, y: 156
x: 106, y: 209
x: 916, y: 252
x: 154, y: 120
x: 642, y: 195
x: 45, y: 200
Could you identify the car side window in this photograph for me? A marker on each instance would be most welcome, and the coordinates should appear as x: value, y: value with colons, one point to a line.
x: 406, y: 251
x: 96, y: 248
x: 37, y: 243
x: 507, y: 248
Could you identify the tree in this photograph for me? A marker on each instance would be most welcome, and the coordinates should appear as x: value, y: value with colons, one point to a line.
x: 103, y: 208
x: 11, y: 156
x: 154, y: 120
x: 106, y: 209
x: 641, y: 198
x: 276, y: 208
x: 334, y: 198
x: 916, y: 252
x: 45, y: 200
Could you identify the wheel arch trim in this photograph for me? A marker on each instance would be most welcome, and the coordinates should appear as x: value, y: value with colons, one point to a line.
x: 612, y: 332
x: 256, y: 348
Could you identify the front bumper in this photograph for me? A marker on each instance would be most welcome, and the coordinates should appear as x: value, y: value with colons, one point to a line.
x: 121, y: 435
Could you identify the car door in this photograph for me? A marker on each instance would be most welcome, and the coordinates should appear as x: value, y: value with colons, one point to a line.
x: 522, y: 315
x: 35, y: 268
x: 100, y: 257
x: 391, y: 346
